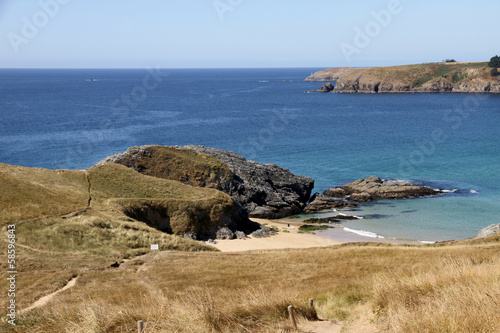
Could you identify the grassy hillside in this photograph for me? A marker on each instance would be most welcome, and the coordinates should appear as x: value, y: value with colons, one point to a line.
x: 186, y: 166
x: 28, y: 193
x: 78, y: 223
x: 445, y: 288
x: 466, y: 77
x: 419, y: 74
x: 72, y: 221
x: 164, y: 204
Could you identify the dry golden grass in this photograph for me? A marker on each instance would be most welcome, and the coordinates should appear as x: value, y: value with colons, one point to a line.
x: 184, y: 165
x: 51, y: 251
x: 249, y: 292
x: 450, y: 287
x: 28, y: 193
x: 461, y: 296
x: 413, y: 75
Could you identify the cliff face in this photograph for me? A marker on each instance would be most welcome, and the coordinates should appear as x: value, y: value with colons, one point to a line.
x: 263, y: 190
x: 424, y: 78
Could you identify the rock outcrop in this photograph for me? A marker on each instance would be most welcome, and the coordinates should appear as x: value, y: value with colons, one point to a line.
x: 324, y: 88
x: 263, y: 190
x: 263, y: 232
x: 165, y: 205
x: 370, y: 188
x: 320, y: 202
x: 337, y: 192
x: 423, y: 78
x: 490, y: 230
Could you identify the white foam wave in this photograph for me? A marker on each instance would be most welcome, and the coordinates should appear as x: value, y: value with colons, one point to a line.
x: 363, y: 233
x: 474, y: 192
x: 396, y: 180
x: 426, y: 242
x: 448, y: 191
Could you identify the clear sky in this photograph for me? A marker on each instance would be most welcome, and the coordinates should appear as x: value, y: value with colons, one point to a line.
x: 244, y: 33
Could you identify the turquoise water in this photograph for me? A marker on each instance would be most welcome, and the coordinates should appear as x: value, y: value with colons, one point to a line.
x: 74, y: 118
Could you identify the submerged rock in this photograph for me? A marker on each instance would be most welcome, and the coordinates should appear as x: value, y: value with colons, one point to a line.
x: 490, y: 230
x: 332, y: 219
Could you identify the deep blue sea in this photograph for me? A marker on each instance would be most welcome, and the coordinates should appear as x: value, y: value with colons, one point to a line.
x: 74, y: 118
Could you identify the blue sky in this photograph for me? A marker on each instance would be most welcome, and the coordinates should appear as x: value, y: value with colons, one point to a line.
x: 244, y: 33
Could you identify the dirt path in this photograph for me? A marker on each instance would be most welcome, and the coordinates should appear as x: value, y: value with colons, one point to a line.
x: 46, y: 299
x: 361, y: 323
x: 321, y: 327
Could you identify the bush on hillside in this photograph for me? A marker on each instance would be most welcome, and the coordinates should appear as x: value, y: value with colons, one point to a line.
x: 494, y: 62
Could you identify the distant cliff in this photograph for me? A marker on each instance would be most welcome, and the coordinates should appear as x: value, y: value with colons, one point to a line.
x: 473, y: 77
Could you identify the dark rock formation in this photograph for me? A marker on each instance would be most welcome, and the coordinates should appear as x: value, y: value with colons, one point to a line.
x: 379, y: 189
x: 332, y: 219
x: 263, y: 232
x: 360, y: 197
x: 490, y: 230
x: 224, y: 233
x: 337, y: 192
x: 239, y: 234
x: 263, y: 190
x: 326, y: 88
x: 320, y: 202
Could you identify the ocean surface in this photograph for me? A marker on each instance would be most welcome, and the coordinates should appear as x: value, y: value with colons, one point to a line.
x: 74, y: 118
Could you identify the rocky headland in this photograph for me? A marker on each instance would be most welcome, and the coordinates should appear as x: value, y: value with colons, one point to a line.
x: 263, y: 190
x: 454, y: 77
x: 368, y: 189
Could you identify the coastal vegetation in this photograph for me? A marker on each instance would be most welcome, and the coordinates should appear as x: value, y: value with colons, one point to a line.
x: 465, y: 77
x: 495, y: 63
x: 435, y: 288
x: 98, y: 225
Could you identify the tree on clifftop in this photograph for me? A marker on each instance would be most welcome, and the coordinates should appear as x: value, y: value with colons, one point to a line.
x: 494, y: 62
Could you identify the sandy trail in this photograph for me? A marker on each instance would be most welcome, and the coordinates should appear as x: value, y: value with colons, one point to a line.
x: 321, y: 327
x: 46, y: 299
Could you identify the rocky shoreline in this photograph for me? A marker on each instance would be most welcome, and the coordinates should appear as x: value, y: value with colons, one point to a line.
x: 264, y: 191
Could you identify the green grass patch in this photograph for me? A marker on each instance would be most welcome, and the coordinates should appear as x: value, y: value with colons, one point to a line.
x: 308, y: 227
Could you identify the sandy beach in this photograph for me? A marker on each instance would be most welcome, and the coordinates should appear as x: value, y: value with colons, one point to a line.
x: 283, y: 240
x: 288, y: 237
